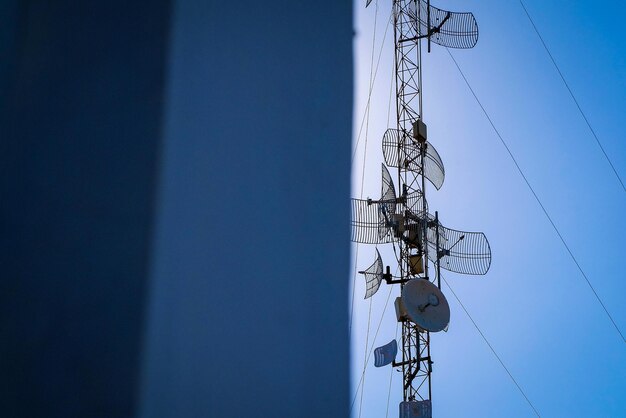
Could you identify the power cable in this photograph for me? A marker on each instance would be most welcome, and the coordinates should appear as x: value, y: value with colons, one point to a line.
x: 380, y: 321
x: 393, y: 65
x: 519, y: 169
x: 391, y: 377
x: 356, y: 259
x: 369, y: 95
x: 571, y: 93
x: 367, y: 126
x: 365, y: 118
x: 365, y: 114
x: 491, y: 347
x: 372, y: 347
x: 369, y: 317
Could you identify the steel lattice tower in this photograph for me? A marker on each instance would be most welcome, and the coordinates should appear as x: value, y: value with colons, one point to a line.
x: 416, y: 364
x: 404, y: 218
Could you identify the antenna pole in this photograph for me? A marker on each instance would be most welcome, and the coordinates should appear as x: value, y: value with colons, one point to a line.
x: 409, y: 223
x: 408, y: 75
x: 428, y: 23
x: 437, y: 253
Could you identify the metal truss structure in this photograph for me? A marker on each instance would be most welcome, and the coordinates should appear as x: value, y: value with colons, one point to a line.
x: 403, y: 219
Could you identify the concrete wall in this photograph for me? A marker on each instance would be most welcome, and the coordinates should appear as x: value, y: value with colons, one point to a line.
x: 249, y: 299
x: 80, y: 133
x: 175, y: 209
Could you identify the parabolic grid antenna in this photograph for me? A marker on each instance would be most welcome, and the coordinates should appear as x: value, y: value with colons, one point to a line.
x: 423, y: 246
x: 378, y: 221
x: 458, y: 251
x: 373, y: 276
x: 403, y: 150
x: 388, y: 202
x: 372, y: 223
x: 449, y: 29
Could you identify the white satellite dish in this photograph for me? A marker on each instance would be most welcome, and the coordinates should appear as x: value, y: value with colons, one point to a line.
x: 425, y: 305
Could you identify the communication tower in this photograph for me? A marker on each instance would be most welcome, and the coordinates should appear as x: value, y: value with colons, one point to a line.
x: 423, y: 246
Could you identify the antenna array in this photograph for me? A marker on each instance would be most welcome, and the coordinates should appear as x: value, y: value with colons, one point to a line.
x: 403, y: 219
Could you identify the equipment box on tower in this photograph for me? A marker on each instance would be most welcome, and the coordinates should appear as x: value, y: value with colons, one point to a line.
x: 416, y: 409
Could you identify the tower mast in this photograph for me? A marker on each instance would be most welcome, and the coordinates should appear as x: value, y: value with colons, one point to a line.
x: 404, y: 219
x: 416, y: 364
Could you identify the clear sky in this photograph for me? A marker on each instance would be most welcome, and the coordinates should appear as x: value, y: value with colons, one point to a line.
x: 534, y: 306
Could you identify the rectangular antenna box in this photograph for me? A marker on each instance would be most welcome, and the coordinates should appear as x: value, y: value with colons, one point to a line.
x: 417, y: 264
x: 401, y: 314
x: 419, y: 131
x: 397, y: 224
x: 416, y: 409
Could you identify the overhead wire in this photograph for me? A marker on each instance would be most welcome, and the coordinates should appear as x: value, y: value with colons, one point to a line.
x: 571, y: 93
x: 491, y: 347
x: 372, y: 346
x: 366, y: 115
x: 396, y: 255
x: 391, y: 377
x: 371, y: 349
x: 365, y: 118
x: 369, y: 94
x: 393, y: 66
x: 545, y: 211
x: 369, y: 317
x: 367, y: 123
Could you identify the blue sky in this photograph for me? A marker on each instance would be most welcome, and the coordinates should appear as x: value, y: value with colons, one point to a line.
x: 534, y: 306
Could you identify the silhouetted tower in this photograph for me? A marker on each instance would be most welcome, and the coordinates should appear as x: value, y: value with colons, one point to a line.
x: 422, y: 245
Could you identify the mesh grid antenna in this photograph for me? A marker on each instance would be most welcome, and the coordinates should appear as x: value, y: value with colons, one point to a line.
x: 373, y: 276
x: 388, y: 203
x: 459, y: 251
x: 400, y: 149
x: 388, y: 190
x: 449, y: 29
x: 372, y: 222
x: 379, y: 221
x: 404, y: 219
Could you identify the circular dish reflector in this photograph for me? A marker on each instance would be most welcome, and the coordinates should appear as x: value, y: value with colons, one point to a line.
x: 425, y: 305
